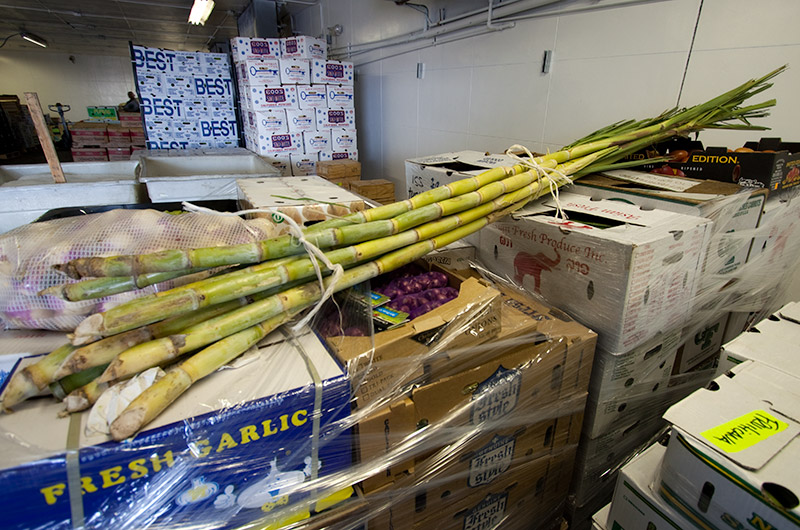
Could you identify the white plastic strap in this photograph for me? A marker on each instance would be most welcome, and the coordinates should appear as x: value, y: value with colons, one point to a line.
x: 314, y: 253
x: 555, y: 178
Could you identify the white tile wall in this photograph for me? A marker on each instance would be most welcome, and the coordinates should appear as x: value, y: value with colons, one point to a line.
x: 486, y: 92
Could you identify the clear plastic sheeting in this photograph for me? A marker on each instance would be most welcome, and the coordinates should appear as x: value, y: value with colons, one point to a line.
x: 494, y: 408
x: 592, y: 265
x: 468, y: 416
x: 28, y: 253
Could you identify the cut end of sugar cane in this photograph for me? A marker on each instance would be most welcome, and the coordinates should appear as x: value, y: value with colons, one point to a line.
x: 76, y: 402
x: 150, y: 404
x: 59, y: 291
x: 20, y: 388
x: 128, y: 423
x: 89, y: 330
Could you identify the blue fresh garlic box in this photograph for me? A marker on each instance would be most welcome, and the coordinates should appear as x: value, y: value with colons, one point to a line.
x: 235, y: 448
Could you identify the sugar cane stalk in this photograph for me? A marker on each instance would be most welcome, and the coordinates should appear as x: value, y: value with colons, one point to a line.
x: 265, y: 276
x: 150, y: 403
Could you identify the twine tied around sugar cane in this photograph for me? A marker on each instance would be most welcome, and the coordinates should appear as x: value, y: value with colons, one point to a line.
x: 315, y: 254
x: 553, y: 183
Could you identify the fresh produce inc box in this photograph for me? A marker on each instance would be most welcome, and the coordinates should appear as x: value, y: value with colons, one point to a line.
x: 623, y: 271
x: 234, y: 448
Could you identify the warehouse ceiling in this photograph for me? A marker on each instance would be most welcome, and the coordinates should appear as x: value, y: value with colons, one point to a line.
x: 106, y: 26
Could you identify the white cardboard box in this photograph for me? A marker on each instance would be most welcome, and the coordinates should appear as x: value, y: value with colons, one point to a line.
x: 733, y: 454
x: 303, y: 47
x: 338, y: 155
x: 259, y: 73
x: 280, y: 143
x: 600, y: 518
x: 699, y: 342
x: 735, y: 214
x: 312, y: 96
x: 340, y: 96
x: 599, y: 460
x: 775, y: 341
x: 331, y: 72
x: 343, y: 140
x: 303, y: 164
x: 301, y: 120
x: 622, y: 271
x: 246, y: 49
x: 635, y: 506
x: 428, y: 172
x: 275, y: 97
x: 316, y: 141
x: 275, y: 196
x: 267, y: 122
x: 335, y: 119
x: 295, y: 71
x: 615, y: 374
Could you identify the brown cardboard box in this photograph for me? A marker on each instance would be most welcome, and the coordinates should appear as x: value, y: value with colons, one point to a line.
x: 119, y: 153
x: 378, y: 434
x: 452, y: 475
x: 379, y: 190
x: 395, y: 357
x: 393, y: 508
x: 89, y: 134
x: 339, y: 169
x: 130, y: 119
x: 532, y: 495
x: 89, y: 154
x: 118, y: 136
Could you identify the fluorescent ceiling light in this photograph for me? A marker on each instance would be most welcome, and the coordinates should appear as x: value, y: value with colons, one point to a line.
x: 30, y: 37
x: 201, y: 9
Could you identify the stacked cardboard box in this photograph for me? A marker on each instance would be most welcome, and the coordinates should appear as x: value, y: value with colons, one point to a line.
x: 731, y: 456
x: 342, y: 172
x: 186, y: 99
x: 488, y: 432
x: 297, y: 106
x: 89, y: 141
x: 379, y: 190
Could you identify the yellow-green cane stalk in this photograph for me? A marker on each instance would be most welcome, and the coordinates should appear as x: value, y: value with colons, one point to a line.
x: 452, y: 228
x: 101, y: 287
x: 150, y: 403
x: 265, y: 276
x: 102, y: 352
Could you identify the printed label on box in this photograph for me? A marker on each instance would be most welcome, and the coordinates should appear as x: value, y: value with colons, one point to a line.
x: 488, y: 513
x: 496, y: 396
x: 311, y: 97
x: 301, y: 120
x: 335, y: 118
x: 491, y: 461
x: 341, y: 96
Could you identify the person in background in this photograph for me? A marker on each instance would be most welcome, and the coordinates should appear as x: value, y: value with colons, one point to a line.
x: 132, y: 105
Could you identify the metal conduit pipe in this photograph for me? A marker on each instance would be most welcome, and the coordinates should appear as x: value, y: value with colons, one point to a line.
x: 450, y: 26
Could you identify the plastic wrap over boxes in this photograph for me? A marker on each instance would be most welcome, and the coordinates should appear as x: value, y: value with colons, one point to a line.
x: 186, y: 99
x: 522, y: 398
x: 282, y: 79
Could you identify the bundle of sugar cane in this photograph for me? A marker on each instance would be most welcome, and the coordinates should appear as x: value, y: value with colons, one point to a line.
x: 220, y: 317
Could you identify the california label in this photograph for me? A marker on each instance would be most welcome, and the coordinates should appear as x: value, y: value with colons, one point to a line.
x: 486, y: 514
x: 491, y: 461
x: 496, y: 396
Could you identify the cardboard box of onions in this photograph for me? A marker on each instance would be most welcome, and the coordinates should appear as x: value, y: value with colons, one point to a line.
x: 379, y: 190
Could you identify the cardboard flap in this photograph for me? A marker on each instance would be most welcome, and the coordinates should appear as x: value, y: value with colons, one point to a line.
x: 748, y: 417
x: 470, y: 289
x: 791, y: 311
x: 662, y: 182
